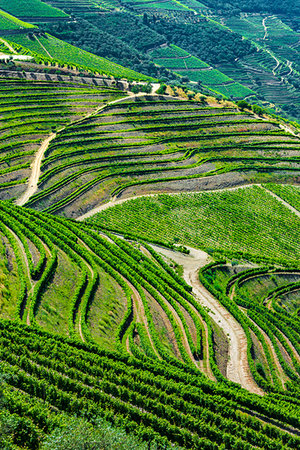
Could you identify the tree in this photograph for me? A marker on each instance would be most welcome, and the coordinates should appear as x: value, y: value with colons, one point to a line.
x: 257, y: 110
x: 242, y: 104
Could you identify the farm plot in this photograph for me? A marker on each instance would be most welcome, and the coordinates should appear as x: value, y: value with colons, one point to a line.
x: 127, y: 145
x: 247, y: 222
x: 31, y: 111
x: 254, y: 240
x: 8, y: 22
x: 30, y: 8
x: 53, y: 49
x: 79, y: 376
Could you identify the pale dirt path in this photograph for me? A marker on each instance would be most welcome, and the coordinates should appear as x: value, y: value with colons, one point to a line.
x: 238, y: 368
x: 200, y: 259
x: 288, y: 129
x: 277, y: 61
x: 265, y: 28
x: 36, y: 170
x: 44, y: 48
x: 155, y: 87
x: 36, y: 165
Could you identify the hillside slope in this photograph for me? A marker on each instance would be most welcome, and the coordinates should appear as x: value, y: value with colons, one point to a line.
x: 149, y: 233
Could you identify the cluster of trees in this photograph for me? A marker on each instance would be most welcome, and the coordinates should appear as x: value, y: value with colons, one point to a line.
x: 243, y: 104
x: 210, y: 43
x: 110, y: 40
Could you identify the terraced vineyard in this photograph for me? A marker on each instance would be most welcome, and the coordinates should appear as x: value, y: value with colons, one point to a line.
x: 30, y: 8
x: 258, y: 282
x: 180, y: 61
x: 228, y: 221
x: 30, y: 111
x: 46, y: 256
x: 52, y: 51
x: 125, y: 150
x: 175, y: 317
x: 8, y: 22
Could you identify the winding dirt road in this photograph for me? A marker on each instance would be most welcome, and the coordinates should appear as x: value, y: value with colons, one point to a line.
x: 36, y: 170
x: 36, y: 165
x: 265, y: 28
x: 238, y: 369
x: 11, y: 49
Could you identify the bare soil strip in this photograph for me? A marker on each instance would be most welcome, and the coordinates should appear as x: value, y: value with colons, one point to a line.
x: 238, y: 369
x: 36, y: 170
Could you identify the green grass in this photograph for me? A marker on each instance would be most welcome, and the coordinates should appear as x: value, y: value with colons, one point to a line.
x: 8, y: 22
x: 247, y: 221
x: 30, y: 8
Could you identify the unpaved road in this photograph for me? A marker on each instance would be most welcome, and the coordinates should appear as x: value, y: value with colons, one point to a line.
x: 238, y: 368
x: 265, y: 28
x: 36, y: 166
x: 11, y: 49
x: 36, y: 170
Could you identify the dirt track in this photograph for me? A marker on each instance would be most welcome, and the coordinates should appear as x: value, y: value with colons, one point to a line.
x: 36, y: 166
x: 287, y: 205
x: 36, y: 170
x: 238, y: 368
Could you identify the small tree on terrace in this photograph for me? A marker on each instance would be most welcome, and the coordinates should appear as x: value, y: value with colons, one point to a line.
x: 242, y: 104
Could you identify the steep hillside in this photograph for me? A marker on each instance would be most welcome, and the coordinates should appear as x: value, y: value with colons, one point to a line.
x: 8, y: 22
x: 31, y: 9
x: 256, y: 48
x: 79, y: 281
x: 125, y: 149
x: 31, y: 113
x: 149, y: 231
